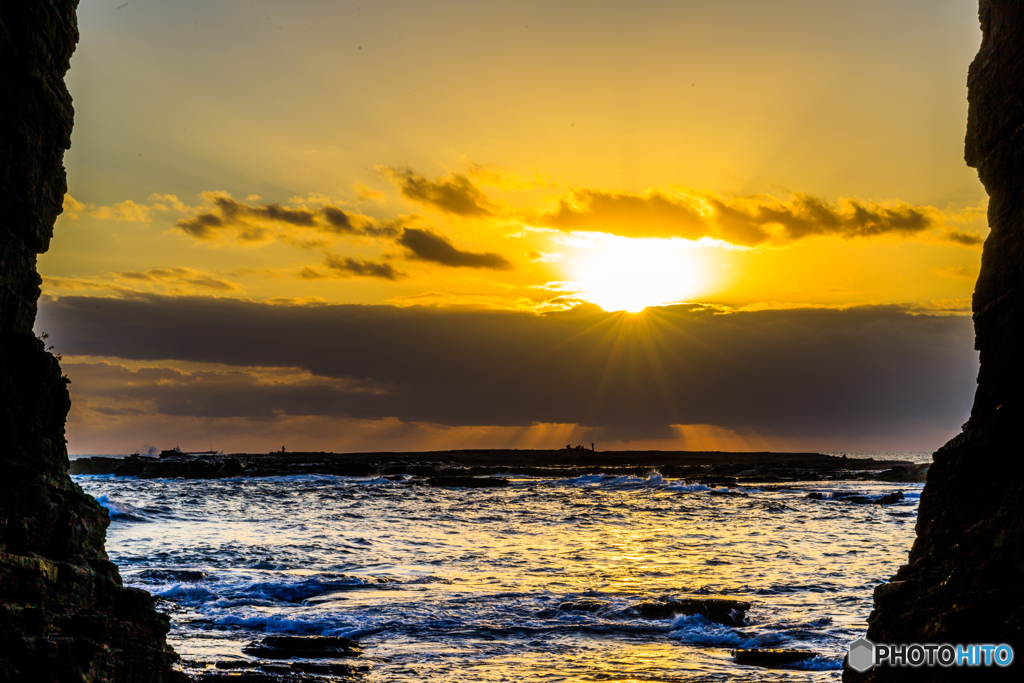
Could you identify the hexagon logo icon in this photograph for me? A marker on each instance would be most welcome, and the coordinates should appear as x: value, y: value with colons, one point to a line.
x: 862, y: 655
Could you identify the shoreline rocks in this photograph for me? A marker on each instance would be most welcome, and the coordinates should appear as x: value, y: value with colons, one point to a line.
x: 303, y: 647
x: 772, y: 658
x: 467, y: 468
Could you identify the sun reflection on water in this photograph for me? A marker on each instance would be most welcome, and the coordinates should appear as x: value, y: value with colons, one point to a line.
x: 441, y: 584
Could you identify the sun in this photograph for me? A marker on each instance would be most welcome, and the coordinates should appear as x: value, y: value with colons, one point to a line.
x: 624, y: 274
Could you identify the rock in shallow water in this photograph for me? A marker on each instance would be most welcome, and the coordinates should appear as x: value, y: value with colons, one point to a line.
x: 772, y: 659
x: 718, y: 610
x: 304, y: 647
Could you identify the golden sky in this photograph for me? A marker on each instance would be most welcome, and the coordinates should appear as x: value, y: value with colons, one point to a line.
x: 536, y: 158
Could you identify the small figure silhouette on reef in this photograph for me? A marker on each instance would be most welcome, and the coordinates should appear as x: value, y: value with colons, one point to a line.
x: 591, y: 445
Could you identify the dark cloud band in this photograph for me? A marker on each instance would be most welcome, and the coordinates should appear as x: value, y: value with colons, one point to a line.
x: 826, y: 373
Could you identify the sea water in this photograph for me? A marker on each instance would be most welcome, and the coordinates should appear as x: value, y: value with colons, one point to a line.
x: 464, y: 584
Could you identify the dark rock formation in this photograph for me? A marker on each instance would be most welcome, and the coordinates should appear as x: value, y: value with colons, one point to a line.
x: 772, y: 659
x: 964, y: 582
x: 718, y: 610
x: 305, y: 647
x: 64, y: 614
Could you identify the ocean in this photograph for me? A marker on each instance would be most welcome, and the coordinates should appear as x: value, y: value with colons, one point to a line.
x: 449, y: 584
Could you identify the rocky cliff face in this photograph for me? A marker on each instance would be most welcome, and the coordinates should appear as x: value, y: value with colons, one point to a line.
x: 964, y: 582
x: 64, y: 614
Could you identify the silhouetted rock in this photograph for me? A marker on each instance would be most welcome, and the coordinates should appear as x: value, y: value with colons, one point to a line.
x: 890, y: 498
x: 964, y: 581
x: 64, y: 614
x: 909, y: 473
x: 772, y: 659
x: 94, y: 465
x: 305, y: 647
x: 718, y: 610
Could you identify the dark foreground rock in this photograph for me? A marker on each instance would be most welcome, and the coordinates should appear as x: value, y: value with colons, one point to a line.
x: 304, y: 647
x: 772, y: 659
x: 64, y: 614
x: 964, y: 580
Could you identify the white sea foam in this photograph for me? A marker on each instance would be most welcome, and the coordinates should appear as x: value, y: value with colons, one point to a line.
x: 694, y: 628
x: 820, y: 663
x: 119, y: 510
x: 187, y: 591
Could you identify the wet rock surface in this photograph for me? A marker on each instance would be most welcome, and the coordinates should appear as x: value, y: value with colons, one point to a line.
x: 964, y: 580
x: 64, y: 613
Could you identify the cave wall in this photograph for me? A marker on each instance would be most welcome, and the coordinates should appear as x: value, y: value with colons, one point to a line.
x: 64, y: 613
x: 964, y: 580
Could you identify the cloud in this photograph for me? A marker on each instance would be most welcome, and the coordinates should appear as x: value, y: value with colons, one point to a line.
x: 127, y: 282
x: 455, y: 194
x: 961, y: 272
x: 505, y: 179
x: 871, y: 370
x: 630, y: 215
x: 543, y: 257
x: 806, y: 215
x: 425, y: 245
x: 745, y: 221
x: 161, y: 202
x: 365, y: 193
x: 258, y: 223
x: 204, y: 226
x: 339, y: 220
x: 72, y: 208
x: 127, y: 211
x: 965, y: 239
x: 349, y: 267
x: 254, y: 393
x: 183, y: 275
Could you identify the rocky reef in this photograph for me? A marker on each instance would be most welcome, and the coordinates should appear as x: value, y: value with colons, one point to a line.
x: 463, y: 468
x: 64, y: 613
x: 964, y: 581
